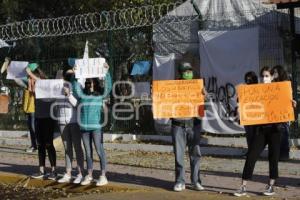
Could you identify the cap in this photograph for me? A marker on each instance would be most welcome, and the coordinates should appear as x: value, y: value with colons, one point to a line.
x: 185, y: 66
x: 33, y: 66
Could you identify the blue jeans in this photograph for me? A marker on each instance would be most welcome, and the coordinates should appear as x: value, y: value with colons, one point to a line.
x: 183, y: 136
x: 31, y: 127
x: 97, y: 137
x: 71, y: 137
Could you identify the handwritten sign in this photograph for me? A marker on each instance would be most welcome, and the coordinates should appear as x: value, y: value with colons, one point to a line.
x: 178, y: 99
x: 16, y: 69
x: 265, y: 103
x: 90, y: 68
x: 49, y: 88
x: 4, y: 101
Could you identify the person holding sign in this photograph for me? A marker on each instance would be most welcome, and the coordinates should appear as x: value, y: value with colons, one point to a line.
x: 28, y: 101
x: 66, y: 110
x: 90, y: 106
x: 250, y: 78
x: 266, y: 134
x: 182, y: 135
x: 280, y: 74
x: 44, y: 126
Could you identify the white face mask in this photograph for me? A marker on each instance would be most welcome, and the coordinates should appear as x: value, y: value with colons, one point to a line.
x: 267, y: 79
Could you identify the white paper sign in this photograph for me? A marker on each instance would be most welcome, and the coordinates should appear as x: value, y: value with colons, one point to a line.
x: 16, y: 69
x: 49, y: 89
x: 90, y: 68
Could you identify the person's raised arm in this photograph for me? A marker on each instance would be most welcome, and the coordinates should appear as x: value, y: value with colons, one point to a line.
x: 108, y: 82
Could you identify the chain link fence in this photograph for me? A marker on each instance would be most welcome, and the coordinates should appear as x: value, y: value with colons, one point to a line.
x: 123, y: 37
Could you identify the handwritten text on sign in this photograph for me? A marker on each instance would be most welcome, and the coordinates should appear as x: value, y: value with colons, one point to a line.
x: 178, y: 99
x: 90, y: 68
x: 50, y: 88
x: 265, y: 103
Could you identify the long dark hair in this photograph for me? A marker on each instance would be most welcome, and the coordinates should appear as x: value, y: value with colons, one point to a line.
x: 98, y: 87
x: 282, y: 74
x: 39, y: 73
x: 251, y: 78
x: 265, y: 68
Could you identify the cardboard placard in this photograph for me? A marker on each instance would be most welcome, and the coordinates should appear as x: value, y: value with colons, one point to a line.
x: 4, y: 101
x: 90, y: 68
x: 265, y: 103
x: 16, y: 69
x: 178, y: 99
x: 50, y: 88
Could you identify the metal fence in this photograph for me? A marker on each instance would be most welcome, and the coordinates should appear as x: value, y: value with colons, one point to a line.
x: 122, y: 47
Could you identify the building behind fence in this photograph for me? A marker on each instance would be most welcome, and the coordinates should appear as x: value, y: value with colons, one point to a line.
x: 124, y: 45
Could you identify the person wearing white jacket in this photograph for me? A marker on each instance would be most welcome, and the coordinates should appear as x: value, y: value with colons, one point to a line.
x: 66, y: 115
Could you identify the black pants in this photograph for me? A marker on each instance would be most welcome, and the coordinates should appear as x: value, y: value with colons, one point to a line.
x: 285, y: 146
x: 44, y: 133
x: 266, y: 135
x: 250, y: 132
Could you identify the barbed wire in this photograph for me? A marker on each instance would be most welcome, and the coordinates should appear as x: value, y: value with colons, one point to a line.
x: 93, y: 22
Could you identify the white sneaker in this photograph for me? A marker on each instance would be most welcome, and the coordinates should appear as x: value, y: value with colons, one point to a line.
x: 269, y: 190
x: 65, y: 179
x: 87, y: 180
x: 102, y: 181
x: 197, y: 186
x: 178, y: 187
x: 78, y: 179
x: 241, y: 192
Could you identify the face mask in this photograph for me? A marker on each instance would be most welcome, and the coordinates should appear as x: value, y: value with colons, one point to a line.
x: 187, y: 75
x: 267, y: 79
x: 70, y: 77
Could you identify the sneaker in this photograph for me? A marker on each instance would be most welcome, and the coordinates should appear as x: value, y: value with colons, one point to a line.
x: 87, y: 180
x: 65, y: 179
x: 269, y: 190
x: 38, y: 175
x: 178, y: 187
x: 241, y: 192
x: 197, y: 186
x: 78, y: 179
x: 52, y: 176
x: 30, y: 150
x: 102, y: 181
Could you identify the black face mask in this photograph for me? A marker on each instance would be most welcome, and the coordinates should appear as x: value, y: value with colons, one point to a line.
x: 70, y: 77
x: 87, y: 88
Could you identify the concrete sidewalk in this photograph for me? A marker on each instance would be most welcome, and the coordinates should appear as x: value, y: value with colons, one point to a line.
x: 154, y: 172
x: 210, y: 146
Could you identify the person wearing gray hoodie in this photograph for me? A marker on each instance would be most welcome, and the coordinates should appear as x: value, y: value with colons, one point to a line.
x: 66, y: 115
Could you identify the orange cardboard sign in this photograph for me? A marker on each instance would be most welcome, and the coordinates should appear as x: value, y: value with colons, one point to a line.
x: 178, y: 99
x: 4, y: 101
x: 265, y: 103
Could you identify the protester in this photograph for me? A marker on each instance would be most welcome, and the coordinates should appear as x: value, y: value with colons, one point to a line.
x: 28, y: 103
x: 90, y: 105
x: 66, y: 114
x: 182, y: 135
x: 267, y: 134
x: 44, y: 126
x: 250, y: 78
x: 280, y: 74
